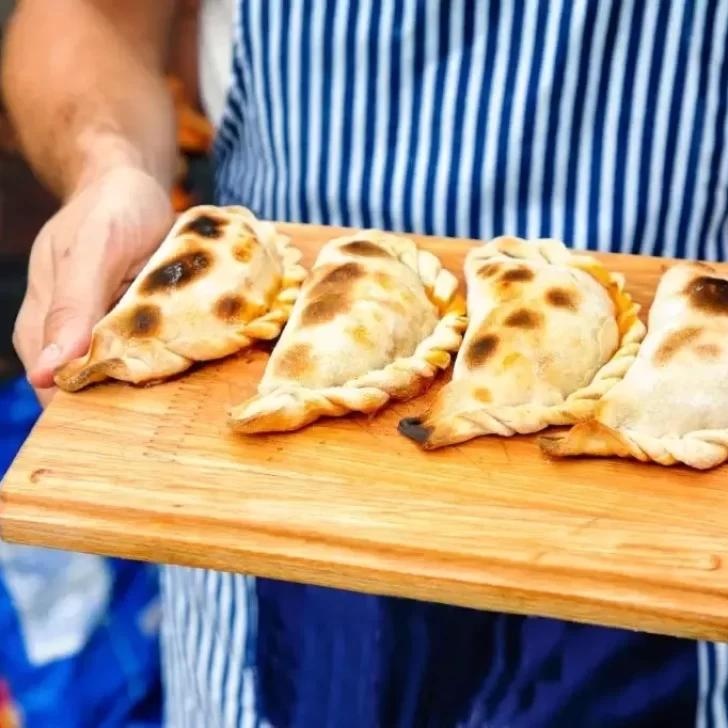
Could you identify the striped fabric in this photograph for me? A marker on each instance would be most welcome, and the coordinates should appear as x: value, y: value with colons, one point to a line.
x: 600, y: 122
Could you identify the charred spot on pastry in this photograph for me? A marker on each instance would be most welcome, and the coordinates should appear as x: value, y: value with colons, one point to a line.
x: 343, y: 274
x: 324, y: 308
x: 208, y: 226
x: 524, y: 318
x: 413, y: 428
x: 177, y: 273
x: 708, y: 294
x: 388, y: 283
x: 145, y: 321
x: 482, y: 395
x: 711, y: 352
x: 247, y: 228
x: 521, y: 274
x: 562, y: 298
x: 295, y: 361
x: 361, y: 336
x: 244, y: 248
x: 229, y: 307
x: 397, y: 307
x: 489, y: 270
x: 481, y: 350
x: 674, y: 342
x: 365, y: 249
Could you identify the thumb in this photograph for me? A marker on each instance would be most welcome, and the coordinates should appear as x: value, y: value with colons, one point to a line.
x: 67, y: 334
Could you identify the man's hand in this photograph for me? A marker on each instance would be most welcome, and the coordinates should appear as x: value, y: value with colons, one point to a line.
x: 81, y: 263
x: 83, y: 81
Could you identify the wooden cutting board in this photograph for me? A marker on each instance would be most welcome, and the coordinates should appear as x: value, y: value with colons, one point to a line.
x: 154, y: 474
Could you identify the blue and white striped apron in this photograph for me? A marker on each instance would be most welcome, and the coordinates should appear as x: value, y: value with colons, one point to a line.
x: 600, y: 122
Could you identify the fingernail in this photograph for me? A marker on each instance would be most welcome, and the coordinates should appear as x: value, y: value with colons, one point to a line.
x: 49, y: 357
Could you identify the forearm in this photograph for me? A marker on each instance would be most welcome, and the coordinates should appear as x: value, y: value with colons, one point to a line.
x: 83, y: 82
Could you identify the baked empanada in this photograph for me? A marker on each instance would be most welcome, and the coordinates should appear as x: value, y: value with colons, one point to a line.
x: 549, y: 333
x: 220, y: 280
x: 672, y: 405
x: 376, y: 319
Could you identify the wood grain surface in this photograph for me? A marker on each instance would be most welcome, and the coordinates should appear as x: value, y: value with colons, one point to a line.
x: 154, y: 474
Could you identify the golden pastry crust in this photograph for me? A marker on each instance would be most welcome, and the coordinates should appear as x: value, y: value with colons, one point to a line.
x: 219, y: 281
x: 377, y: 320
x: 550, y: 333
x: 672, y: 405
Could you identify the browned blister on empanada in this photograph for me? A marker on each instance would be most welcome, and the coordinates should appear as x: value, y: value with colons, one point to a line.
x: 376, y: 320
x: 672, y: 405
x: 219, y: 281
x: 549, y: 333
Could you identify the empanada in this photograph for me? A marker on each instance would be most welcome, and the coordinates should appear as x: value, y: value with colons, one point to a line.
x: 549, y: 333
x: 376, y: 319
x: 672, y: 405
x: 220, y: 280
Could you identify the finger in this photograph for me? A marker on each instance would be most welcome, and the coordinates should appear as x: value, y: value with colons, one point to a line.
x: 28, y: 339
x: 45, y: 396
x: 79, y: 299
x: 28, y: 330
x: 67, y: 333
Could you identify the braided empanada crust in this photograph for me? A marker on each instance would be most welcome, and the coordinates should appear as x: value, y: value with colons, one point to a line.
x: 672, y: 405
x: 218, y: 282
x: 502, y: 275
x: 363, y: 287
